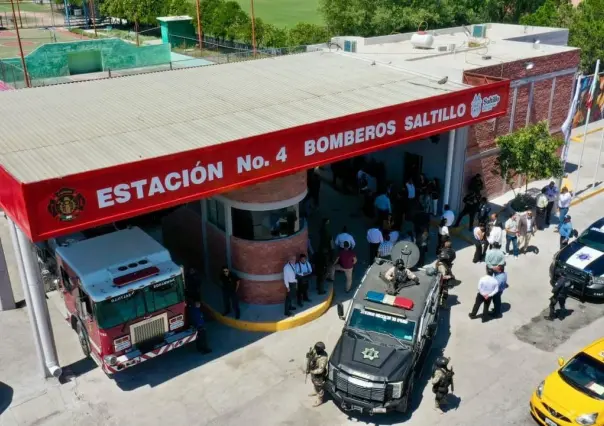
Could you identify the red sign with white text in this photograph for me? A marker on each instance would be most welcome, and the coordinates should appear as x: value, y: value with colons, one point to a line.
x: 77, y: 202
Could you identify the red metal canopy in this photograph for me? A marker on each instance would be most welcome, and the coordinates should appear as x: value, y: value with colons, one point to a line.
x: 60, y: 206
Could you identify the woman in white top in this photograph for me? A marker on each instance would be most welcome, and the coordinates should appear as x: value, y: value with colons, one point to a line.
x: 564, y: 200
x: 443, y: 234
x: 497, y: 236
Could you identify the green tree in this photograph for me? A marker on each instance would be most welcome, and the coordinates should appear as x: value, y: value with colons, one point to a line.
x: 141, y: 12
x: 587, y: 33
x: 303, y: 34
x: 531, y: 153
x: 274, y: 36
x: 552, y: 13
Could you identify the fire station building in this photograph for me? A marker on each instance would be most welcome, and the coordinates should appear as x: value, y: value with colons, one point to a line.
x: 241, y: 136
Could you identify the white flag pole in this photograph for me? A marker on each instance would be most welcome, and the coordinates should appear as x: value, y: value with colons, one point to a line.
x: 591, y: 94
x: 567, y: 126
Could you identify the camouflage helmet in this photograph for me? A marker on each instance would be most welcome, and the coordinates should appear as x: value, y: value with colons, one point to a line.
x: 320, y: 346
x: 442, y: 362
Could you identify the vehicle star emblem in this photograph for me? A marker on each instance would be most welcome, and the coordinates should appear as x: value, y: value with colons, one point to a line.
x: 370, y: 354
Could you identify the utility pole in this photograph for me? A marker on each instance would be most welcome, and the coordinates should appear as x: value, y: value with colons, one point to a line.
x: 253, y: 29
x: 25, y: 74
x: 91, y: 6
x: 199, y: 27
x: 19, y: 12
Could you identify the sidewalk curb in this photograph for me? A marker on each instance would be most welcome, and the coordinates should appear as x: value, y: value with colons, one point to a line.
x: 582, y: 198
x: 270, y: 327
x: 577, y: 138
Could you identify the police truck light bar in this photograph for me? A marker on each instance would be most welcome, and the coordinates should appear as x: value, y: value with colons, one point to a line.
x: 135, y: 276
x: 385, y: 299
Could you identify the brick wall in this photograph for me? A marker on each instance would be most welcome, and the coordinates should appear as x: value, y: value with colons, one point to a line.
x: 265, y: 258
x: 262, y: 292
x: 245, y: 254
x: 481, y: 137
x: 216, y: 249
x: 271, y: 191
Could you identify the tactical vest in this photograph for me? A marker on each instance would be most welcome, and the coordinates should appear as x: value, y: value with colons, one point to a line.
x: 442, y: 386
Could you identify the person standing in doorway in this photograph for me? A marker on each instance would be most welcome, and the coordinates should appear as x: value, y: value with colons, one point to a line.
x: 374, y: 238
x: 511, y: 234
x: 470, y: 208
x: 424, y: 195
x: 197, y: 320
x: 434, y: 188
x: 290, y: 282
x: 230, y: 285
x: 551, y: 192
x: 345, y: 262
x: 476, y: 184
x: 487, y: 288
x: 322, y: 265
x: 483, y: 212
x: 564, y: 203
x: 566, y: 232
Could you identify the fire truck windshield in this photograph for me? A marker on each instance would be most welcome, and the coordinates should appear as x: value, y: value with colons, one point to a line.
x: 129, y: 306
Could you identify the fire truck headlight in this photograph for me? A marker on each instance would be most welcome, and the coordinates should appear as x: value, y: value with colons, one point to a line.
x: 111, y: 359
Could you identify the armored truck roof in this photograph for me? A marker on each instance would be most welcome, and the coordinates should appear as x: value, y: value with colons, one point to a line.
x: 417, y: 293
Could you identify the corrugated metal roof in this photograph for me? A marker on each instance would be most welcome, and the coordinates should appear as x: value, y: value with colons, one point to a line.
x: 67, y: 129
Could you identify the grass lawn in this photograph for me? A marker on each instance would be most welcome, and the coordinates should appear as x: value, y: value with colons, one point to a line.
x: 285, y: 13
x: 25, y: 7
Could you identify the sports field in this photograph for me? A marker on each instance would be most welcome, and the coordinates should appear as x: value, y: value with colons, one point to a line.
x: 31, y: 38
x: 24, y: 6
x: 285, y: 13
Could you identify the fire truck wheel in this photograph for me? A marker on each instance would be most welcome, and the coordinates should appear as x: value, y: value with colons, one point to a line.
x: 83, y: 341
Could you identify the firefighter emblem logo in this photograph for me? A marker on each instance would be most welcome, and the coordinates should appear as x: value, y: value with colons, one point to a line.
x: 476, y: 107
x: 66, y: 204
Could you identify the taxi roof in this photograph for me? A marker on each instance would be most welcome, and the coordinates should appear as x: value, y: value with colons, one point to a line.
x: 595, y: 350
x: 418, y: 293
x: 98, y: 261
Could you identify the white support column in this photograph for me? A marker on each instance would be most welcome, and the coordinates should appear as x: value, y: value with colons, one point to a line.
x: 449, y: 167
x: 7, y: 299
x: 30, y: 311
x: 39, y: 305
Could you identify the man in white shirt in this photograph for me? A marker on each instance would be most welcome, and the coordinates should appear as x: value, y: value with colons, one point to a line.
x: 488, y: 287
x: 564, y: 200
x: 448, y: 215
x: 344, y: 236
x: 290, y: 282
x: 374, y: 238
x: 527, y: 230
x: 303, y: 274
x: 385, y: 248
x: 512, y: 232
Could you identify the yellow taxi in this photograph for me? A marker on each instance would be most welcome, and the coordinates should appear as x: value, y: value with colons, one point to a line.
x: 573, y: 394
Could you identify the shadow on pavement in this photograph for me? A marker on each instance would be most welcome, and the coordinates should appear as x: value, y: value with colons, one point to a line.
x: 6, y: 396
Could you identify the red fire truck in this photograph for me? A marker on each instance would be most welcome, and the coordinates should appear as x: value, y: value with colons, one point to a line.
x: 124, y: 295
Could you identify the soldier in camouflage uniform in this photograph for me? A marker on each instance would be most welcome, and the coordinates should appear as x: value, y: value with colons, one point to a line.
x: 442, y: 379
x: 318, y: 371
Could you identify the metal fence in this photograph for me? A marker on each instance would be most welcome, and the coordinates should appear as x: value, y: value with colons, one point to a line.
x: 12, y: 75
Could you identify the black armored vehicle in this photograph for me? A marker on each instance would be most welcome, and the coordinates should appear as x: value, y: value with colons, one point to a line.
x: 390, y: 324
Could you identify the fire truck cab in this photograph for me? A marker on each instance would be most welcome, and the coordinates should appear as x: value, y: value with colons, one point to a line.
x: 124, y: 296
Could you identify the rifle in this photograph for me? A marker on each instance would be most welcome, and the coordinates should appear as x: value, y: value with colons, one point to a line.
x: 309, y: 357
x: 451, y: 374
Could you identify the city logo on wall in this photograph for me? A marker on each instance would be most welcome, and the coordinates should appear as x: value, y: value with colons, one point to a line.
x: 66, y: 204
x: 481, y: 105
x: 476, y: 107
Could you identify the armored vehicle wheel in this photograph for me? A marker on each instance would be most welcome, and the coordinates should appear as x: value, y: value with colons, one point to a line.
x: 83, y: 341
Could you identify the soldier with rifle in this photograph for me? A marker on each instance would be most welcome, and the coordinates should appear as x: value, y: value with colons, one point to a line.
x: 316, y: 366
x: 442, y: 378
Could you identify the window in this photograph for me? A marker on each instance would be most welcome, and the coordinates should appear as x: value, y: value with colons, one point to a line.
x: 266, y: 225
x: 216, y: 215
x: 586, y: 374
x: 378, y: 322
